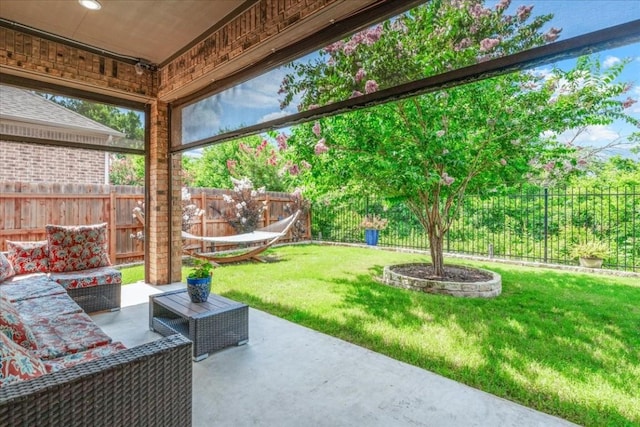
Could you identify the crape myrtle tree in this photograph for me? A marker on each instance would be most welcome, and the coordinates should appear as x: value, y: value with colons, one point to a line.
x: 431, y: 149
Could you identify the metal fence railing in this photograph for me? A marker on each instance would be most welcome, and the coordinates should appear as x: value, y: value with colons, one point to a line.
x: 537, y: 225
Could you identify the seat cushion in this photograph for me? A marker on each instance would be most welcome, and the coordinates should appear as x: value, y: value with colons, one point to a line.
x: 20, y: 288
x: 6, y: 269
x: 67, y: 334
x: 75, y: 248
x: 83, y: 357
x: 88, y: 278
x: 17, y: 363
x: 36, y: 310
x: 13, y: 326
x: 28, y: 257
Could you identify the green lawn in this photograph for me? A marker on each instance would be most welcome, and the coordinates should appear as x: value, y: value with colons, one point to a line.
x: 562, y: 343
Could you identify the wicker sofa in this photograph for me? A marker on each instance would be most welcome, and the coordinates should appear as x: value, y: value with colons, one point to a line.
x: 75, y: 257
x: 58, y: 368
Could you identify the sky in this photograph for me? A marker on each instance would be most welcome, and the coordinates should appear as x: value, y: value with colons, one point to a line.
x: 257, y: 101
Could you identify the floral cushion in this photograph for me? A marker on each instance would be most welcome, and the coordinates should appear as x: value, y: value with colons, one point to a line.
x: 6, y: 269
x: 28, y: 257
x: 85, y: 356
x: 13, y: 326
x: 67, y: 334
x: 28, y: 288
x: 33, y: 311
x: 75, y: 248
x: 17, y: 363
x: 88, y: 278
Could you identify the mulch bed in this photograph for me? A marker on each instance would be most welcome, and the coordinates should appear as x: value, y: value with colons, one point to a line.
x: 451, y: 273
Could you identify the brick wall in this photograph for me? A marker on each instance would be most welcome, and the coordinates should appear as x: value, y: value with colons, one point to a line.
x: 40, y: 163
x: 78, y: 67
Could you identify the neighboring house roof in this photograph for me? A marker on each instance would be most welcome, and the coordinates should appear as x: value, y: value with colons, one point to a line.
x: 19, y: 105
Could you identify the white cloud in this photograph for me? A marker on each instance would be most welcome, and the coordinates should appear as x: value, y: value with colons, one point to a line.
x: 593, y: 136
x: 260, y: 92
x: 610, y: 61
x: 273, y: 116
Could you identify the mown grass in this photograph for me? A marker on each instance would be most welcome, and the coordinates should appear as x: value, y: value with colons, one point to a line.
x: 563, y: 343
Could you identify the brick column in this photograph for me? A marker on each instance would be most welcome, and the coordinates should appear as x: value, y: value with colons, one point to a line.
x: 176, y: 194
x: 157, y: 211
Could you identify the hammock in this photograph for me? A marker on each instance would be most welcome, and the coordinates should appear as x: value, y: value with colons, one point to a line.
x: 269, y: 235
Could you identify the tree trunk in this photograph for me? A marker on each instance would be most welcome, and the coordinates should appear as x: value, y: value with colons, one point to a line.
x: 436, y: 249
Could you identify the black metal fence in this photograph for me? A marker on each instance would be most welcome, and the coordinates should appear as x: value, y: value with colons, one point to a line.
x: 538, y: 225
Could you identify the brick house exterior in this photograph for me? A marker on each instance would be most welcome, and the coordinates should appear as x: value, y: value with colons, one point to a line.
x: 23, y: 113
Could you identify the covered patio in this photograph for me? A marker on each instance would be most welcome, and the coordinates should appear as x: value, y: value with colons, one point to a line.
x: 289, y: 375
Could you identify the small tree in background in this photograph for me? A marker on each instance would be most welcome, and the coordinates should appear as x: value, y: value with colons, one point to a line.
x: 245, y: 211
x: 190, y: 214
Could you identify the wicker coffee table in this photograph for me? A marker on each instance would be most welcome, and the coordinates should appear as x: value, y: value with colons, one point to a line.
x: 212, y: 325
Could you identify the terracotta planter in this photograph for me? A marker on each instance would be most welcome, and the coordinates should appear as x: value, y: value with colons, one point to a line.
x: 591, y: 262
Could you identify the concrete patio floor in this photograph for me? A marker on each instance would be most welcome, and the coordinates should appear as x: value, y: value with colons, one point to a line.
x: 288, y: 375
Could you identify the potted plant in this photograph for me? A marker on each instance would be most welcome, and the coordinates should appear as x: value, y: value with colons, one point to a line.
x: 372, y: 225
x: 199, y: 281
x: 590, y: 254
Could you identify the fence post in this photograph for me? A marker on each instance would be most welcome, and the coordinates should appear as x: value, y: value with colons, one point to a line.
x: 112, y: 227
x: 546, y: 222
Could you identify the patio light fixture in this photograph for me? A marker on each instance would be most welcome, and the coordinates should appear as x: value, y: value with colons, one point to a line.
x: 91, y: 4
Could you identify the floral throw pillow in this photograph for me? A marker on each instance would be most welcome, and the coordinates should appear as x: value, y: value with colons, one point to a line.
x: 29, y: 257
x: 76, y: 248
x: 17, y: 363
x: 6, y: 269
x: 13, y: 327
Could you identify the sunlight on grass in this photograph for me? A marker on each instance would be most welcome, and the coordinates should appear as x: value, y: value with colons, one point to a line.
x: 563, y: 343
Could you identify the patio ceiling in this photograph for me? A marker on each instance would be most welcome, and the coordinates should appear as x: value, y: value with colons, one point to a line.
x: 152, y: 30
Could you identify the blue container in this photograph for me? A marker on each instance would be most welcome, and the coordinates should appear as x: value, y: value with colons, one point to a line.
x: 371, y: 237
x: 199, y: 289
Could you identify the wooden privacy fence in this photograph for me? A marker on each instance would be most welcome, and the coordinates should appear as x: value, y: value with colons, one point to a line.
x: 25, y: 209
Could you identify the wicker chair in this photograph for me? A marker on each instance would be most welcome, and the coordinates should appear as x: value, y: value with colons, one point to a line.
x: 147, y: 385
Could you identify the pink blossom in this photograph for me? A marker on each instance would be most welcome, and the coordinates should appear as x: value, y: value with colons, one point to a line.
x: 463, y: 44
x: 440, y: 133
x: 331, y: 62
x: 372, y: 35
x: 628, y: 102
x: 549, y: 166
x: 349, y: 48
x: 321, y: 147
x: 503, y: 162
x: 360, y: 75
x: 477, y: 11
x: 446, y: 179
x: 370, y: 86
x: 273, y: 160
x: 502, y: 5
x: 313, y: 107
x: 316, y: 129
x: 355, y: 94
x: 488, y: 44
x: 524, y: 12
x: 305, y: 164
x: 334, y: 47
x: 231, y: 165
x: 552, y: 35
x: 261, y: 147
x: 294, y: 170
x: 582, y: 162
x: 282, y: 141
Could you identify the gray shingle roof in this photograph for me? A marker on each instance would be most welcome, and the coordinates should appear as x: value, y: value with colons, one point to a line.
x: 24, y: 106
